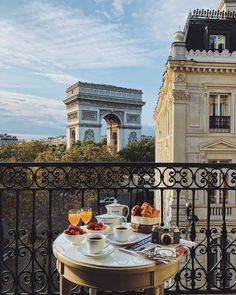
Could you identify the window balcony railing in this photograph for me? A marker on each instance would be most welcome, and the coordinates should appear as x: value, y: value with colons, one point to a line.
x: 219, y: 124
x: 35, y: 199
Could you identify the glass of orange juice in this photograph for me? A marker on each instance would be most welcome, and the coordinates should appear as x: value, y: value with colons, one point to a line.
x: 86, y: 214
x: 74, y: 216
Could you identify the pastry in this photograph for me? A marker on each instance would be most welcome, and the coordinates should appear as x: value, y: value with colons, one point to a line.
x: 135, y: 210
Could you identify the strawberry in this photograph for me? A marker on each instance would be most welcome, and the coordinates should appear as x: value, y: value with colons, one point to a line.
x: 67, y: 232
x: 72, y: 232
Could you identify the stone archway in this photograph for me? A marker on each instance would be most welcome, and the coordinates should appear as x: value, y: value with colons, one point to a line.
x: 113, y: 131
x: 72, y: 136
x: 88, y: 104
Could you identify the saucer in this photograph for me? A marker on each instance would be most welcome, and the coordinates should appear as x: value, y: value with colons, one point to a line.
x: 165, y: 252
x: 106, y: 251
x: 131, y: 240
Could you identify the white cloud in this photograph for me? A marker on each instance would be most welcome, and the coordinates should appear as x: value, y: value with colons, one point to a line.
x: 46, y: 38
x: 164, y: 17
x: 118, y: 6
x: 39, y: 108
x: 60, y: 78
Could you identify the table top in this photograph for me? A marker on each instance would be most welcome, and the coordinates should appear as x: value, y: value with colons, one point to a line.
x: 70, y: 254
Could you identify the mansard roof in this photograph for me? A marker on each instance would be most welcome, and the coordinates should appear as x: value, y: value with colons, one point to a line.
x: 203, y: 23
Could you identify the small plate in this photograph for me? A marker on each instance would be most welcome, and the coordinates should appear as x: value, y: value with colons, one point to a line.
x: 165, y: 252
x: 132, y: 240
x: 106, y: 251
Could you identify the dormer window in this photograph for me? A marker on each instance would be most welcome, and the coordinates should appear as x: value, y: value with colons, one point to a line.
x: 217, y: 42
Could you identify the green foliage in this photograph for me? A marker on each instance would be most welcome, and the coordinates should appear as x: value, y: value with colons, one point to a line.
x: 21, y: 152
x: 140, y: 151
x: 89, y: 151
x: 81, y: 151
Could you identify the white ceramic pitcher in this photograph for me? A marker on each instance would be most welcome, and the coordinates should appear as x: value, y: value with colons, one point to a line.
x: 117, y: 209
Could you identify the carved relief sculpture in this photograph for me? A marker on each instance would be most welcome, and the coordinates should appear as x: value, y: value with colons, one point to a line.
x: 133, y: 118
x: 133, y: 137
x: 72, y: 116
x: 89, y: 135
x: 89, y: 115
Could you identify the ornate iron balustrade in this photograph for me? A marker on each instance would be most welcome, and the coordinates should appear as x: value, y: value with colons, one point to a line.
x: 213, y: 14
x: 219, y: 123
x: 35, y: 198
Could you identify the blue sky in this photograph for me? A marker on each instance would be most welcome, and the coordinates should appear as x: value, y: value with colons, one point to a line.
x: 48, y: 45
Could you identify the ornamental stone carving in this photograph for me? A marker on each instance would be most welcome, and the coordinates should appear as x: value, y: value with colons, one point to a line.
x: 179, y: 95
x: 72, y: 116
x: 89, y: 115
x: 133, y: 118
x: 89, y: 135
x: 72, y: 104
x: 179, y: 77
x: 133, y: 137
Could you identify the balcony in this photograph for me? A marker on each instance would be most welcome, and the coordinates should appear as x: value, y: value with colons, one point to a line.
x: 219, y: 124
x: 35, y: 198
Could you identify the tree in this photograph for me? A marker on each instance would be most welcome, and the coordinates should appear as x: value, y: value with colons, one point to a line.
x: 140, y: 151
x: 21, y: 152
x: 89, y: 151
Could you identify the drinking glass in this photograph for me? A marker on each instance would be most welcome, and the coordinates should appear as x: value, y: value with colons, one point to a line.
x: 74, y: 216
x: 86, y: 214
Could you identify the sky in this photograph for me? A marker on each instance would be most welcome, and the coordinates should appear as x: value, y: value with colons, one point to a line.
x: 47, y: 45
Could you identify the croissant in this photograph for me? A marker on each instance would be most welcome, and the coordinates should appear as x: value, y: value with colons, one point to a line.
x: 145, y: 204
x: 146, y: 213
x: 155, y: 212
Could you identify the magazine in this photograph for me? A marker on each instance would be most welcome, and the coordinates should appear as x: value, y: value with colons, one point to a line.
x: 160, y: 253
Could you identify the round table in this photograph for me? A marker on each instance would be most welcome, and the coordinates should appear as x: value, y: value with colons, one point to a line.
x: 118, y: 271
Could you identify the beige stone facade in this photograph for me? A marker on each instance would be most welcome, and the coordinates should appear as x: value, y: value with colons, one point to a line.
x: 195, y: 122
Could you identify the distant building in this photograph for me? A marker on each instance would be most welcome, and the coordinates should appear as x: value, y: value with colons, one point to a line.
x: 146, y: 137
x: 6, y: 138
x: 56, y: 140
x: 88, y: 104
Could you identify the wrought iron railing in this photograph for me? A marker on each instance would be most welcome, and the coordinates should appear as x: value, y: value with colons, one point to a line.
x: 213, y: 14
x: 219, y: 123
x: 35, y: 198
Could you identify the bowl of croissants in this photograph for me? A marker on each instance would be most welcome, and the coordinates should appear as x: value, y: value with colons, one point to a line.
x: 143, y: 217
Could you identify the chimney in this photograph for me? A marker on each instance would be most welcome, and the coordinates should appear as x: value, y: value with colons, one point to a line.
x: 178, y: 50
x: 227, y: 5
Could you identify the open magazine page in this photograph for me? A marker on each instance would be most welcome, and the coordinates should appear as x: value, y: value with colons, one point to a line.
x: 159, y: 253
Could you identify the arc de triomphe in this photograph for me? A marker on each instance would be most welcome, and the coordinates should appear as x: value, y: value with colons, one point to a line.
x: 88, y: 104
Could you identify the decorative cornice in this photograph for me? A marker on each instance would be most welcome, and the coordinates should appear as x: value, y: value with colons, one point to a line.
x: 203, y: 67
x: 104, y: 87
x: 211, y: 56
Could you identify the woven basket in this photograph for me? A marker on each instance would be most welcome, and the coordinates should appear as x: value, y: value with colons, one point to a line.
x: 143, y: 224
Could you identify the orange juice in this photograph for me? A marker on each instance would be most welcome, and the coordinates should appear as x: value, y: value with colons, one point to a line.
x: 74, y: 218
x: 86, y: 216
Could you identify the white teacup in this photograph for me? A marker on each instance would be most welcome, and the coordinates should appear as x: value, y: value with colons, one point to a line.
x: 111, y: 220
x: 121, y: 233
x: 96, y: 243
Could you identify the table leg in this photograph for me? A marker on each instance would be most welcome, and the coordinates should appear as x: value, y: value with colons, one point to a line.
x: 65, y: 286
x: 161, y: 290
x: 92, y: 291
x: 155, y: 291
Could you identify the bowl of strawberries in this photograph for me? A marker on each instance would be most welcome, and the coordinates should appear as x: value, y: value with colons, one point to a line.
x: 98, y: 227
x: 75, y: 234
